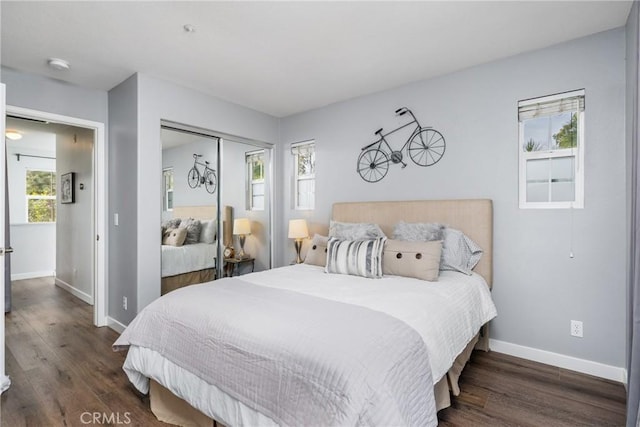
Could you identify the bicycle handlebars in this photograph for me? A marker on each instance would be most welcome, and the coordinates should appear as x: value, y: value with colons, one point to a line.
x: 195, y: 156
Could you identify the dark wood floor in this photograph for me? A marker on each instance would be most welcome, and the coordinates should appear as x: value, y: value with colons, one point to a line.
x: 61, y: 367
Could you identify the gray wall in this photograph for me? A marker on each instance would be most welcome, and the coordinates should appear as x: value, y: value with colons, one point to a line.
x: 181, y: 160
x: 54, y: 96
x: 537, y: 288
x: 74, y: 222
x: 234, y: 194
x: 123, y: 199
x: 157, y: 100
x: 631, y: 116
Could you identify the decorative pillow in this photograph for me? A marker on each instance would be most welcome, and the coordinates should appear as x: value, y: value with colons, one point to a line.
x: 208, y: 231
x: 171, y: 223
x: 174, y: 236
x: 354, y: 230
x: 418, y: 231
x: 420, y: 260
x: 355, y: 257
x: 317, y: 252
x: 459, y: 252
x: 193, y: 227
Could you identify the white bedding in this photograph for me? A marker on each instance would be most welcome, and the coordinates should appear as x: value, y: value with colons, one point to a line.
x: 457, y: 303
x: 183, y: 259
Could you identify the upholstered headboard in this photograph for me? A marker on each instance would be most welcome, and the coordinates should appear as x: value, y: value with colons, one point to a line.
x: 196, y: 212
x: 473, y: 217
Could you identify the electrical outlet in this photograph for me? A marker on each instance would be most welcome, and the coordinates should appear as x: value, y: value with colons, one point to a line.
x: 124, y: 303
x: 576, y: 328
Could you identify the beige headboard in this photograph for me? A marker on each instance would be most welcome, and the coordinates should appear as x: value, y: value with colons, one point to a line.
x: 473, y: 217
x: 196, y: 212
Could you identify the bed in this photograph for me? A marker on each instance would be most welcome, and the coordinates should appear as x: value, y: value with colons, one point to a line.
x: 257, y: 387
x: 193, y: 263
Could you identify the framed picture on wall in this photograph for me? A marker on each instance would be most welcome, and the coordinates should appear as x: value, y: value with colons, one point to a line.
x: 67, y: 193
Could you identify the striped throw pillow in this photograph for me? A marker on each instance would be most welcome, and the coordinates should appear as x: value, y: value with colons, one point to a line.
x: 355, y: 257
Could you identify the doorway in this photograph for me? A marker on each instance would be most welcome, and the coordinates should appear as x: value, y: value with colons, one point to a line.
x: 77, y: 205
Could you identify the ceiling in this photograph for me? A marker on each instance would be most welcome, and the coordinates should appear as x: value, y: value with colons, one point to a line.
x: 282, y: 58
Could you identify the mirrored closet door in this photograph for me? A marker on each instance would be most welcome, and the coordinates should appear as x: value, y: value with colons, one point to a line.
x: 246, y: 186
x: 190, y: 183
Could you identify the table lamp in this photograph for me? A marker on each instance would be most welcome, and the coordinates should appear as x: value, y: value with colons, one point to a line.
x: 241, y: 227
x: 298, y: 230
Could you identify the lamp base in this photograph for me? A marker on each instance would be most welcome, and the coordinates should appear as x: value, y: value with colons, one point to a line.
x: 298, y: 245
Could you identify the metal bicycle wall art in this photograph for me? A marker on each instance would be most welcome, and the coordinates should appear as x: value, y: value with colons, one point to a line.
x: 207, y: 177
x: 425, y: 146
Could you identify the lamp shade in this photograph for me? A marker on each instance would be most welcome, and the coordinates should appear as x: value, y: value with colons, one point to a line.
x: 298, y: 229
x: 241, y: 226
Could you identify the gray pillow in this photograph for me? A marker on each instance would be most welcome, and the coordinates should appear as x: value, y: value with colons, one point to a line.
x: 355, y: 257
x: 418, y: 231
x: 193, y: 227
x: 208, y: 231
x: 459, y: 252
x: 354, y: 230
x: 171, y: 223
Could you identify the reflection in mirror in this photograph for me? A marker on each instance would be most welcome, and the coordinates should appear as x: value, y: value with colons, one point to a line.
x: 246, y: 187
x: 189, y: 208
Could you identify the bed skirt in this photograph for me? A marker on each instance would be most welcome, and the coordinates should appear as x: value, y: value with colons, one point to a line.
x: 169, y: 408
x: 172, y: 283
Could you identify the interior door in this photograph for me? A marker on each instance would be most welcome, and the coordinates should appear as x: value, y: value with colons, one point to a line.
x: 4, y: 380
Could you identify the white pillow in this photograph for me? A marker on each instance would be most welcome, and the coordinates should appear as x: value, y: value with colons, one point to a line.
x: 355, y: 257
x: 459, y: 252
x: 208, y: 231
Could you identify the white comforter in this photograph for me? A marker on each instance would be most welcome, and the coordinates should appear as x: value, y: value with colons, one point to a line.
x: 186, y: 258
x: 446, y: 314
x: 458, y: 304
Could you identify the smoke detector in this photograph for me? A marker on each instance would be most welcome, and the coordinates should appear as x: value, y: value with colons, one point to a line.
x: 58, y: 64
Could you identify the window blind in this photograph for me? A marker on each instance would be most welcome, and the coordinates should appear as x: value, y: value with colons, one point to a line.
x: 302, y: 148
x: 556, y: 105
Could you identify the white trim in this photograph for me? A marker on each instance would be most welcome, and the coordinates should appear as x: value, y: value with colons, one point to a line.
x: 74, y: 291
x: 584, y: 366
x: 577, y: 153
x: 100, y: 168
x: 551, y: 98
x: 115, y: 325
x: 32, y: 275
x: 4, y: 380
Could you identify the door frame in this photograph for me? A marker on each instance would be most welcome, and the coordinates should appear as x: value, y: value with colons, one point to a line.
x: 100, y: 201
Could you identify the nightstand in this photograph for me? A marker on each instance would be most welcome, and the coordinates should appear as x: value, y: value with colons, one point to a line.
x: 234, y: 265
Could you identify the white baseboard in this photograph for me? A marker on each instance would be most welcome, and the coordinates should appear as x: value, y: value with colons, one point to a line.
x: 597, y: 369
x: 76, y: 292
x: 115, y: 325
x: 32, y: 275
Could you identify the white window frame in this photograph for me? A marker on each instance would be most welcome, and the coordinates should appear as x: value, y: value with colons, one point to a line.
x: 165, y: 202
x: 295, y: 148
x: 29, y: 197
x: 577, y: 153
x: 250, y: 182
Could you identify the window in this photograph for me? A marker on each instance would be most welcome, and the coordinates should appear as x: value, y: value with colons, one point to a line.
x: 551, y: 146
x: 255, y: 180
x: 167, y: 179
x: 41, y: 196
x: 304, y: 175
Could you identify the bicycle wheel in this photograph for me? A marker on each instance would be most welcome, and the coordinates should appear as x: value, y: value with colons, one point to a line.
x: 193, y: 177
x: 210, y: 181
x: 426, y: 147
x: 373, y: 165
